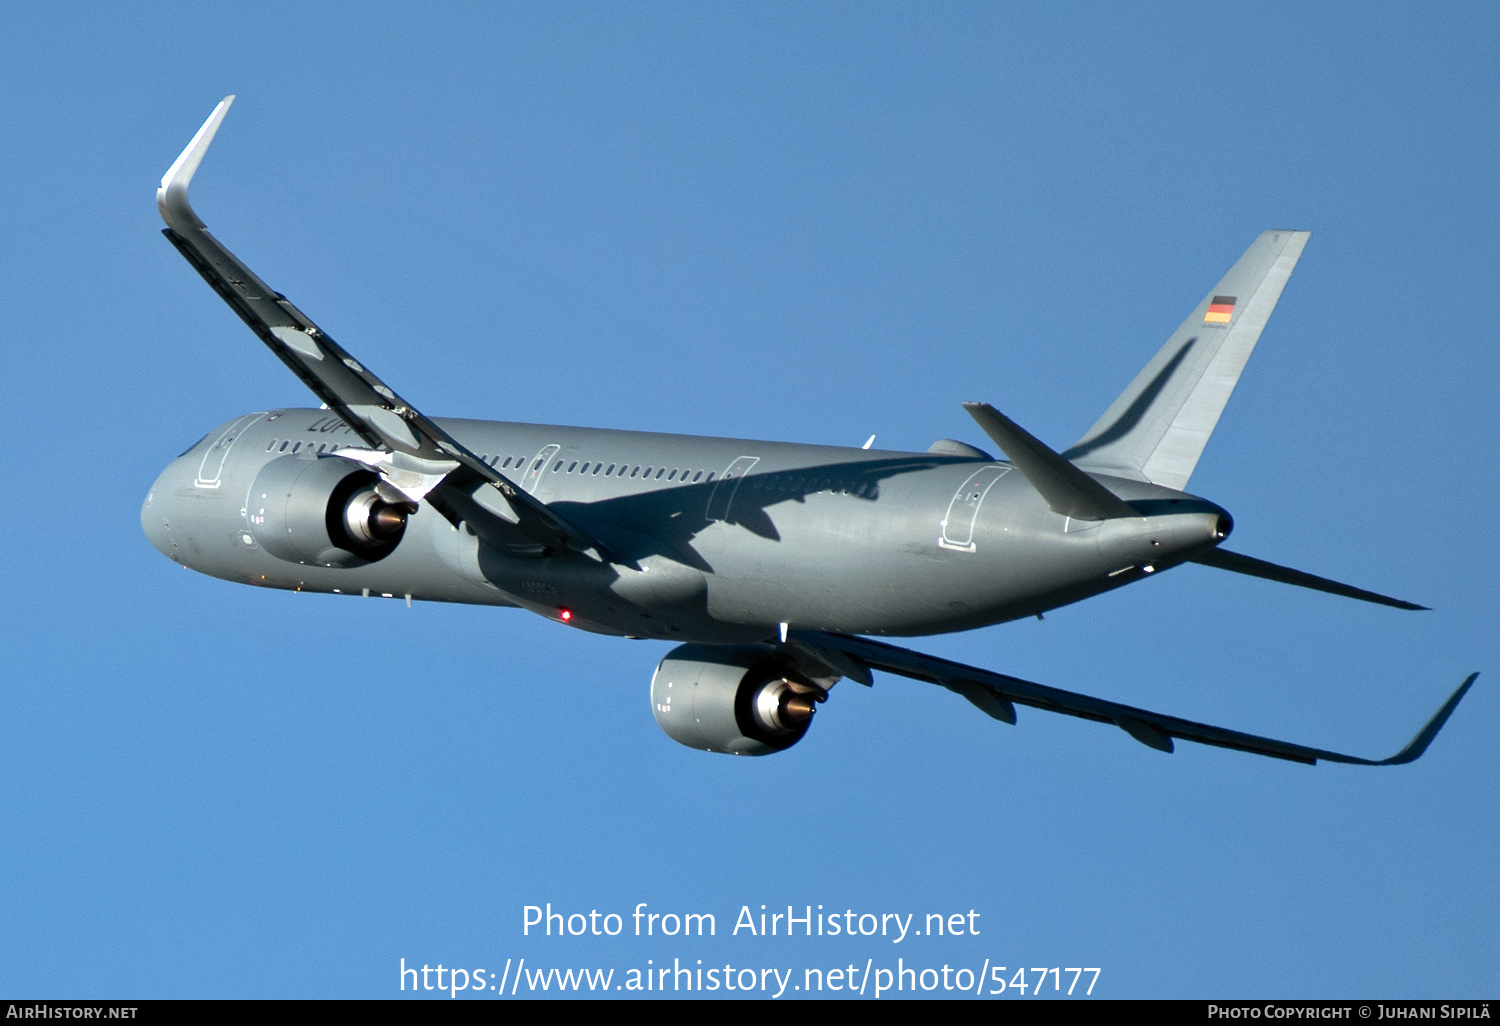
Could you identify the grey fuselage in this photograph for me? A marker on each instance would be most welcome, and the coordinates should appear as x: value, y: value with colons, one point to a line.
x: 712, y: 540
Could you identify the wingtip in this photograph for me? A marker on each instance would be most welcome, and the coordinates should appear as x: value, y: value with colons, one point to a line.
x: 171, y: 196
x: 1418, y: 745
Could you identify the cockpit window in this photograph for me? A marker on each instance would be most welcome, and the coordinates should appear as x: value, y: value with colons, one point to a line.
x: 193, y: 446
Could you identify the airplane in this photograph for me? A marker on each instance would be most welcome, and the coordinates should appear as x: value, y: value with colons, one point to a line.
x: 775, y: 566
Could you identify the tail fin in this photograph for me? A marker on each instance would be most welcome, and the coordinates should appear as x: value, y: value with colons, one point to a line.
x: 1158, y: 427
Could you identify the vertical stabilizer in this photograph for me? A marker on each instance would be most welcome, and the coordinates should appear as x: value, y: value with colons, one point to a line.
x: 1156, y: 430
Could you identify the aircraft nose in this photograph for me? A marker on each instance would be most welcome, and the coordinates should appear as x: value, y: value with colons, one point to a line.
x: 156, y: 519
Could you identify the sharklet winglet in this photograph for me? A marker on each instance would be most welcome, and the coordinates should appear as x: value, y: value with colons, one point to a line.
x: 172, y: 196
x: 1418, y: 744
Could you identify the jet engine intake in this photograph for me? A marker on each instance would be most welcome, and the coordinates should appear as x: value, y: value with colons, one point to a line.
x: 323, y: 511
x: 736, y: 700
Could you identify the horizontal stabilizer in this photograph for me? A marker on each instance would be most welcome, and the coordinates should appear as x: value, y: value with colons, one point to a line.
x: 1286, y: 575
x: 1149, y: 728
x: 1068, y: 491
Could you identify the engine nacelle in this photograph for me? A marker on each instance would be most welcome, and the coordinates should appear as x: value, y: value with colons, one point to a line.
x: 741, y: 701
x: 323, y: 511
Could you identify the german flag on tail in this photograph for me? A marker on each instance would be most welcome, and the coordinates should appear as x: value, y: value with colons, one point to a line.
x: 1220, y: 310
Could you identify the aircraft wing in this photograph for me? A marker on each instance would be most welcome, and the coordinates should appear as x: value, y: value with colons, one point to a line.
x: 997, y: 695
x: 424, y: 461
x: 1250, y: 566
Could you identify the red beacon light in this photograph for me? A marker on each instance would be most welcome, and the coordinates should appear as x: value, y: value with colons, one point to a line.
x: 565, y: 614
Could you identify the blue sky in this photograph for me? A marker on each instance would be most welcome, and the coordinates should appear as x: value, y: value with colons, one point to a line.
x: 800, y: 222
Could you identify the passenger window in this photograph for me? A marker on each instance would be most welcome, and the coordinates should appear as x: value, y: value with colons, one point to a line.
x: 285, y: 444
x: 697, y: 475
x: 671, y: 475
x: 268, y: 448
x: 610, y: 471
x: 635, y: 471
x: 571, y: 467
x: 598, y: 467
x: 710, y: 476
x: 506, y: 463
x: 557, y: 466
x: 296, y: 447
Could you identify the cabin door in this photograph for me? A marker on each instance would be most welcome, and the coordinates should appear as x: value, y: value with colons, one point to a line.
x: 958, y: 525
